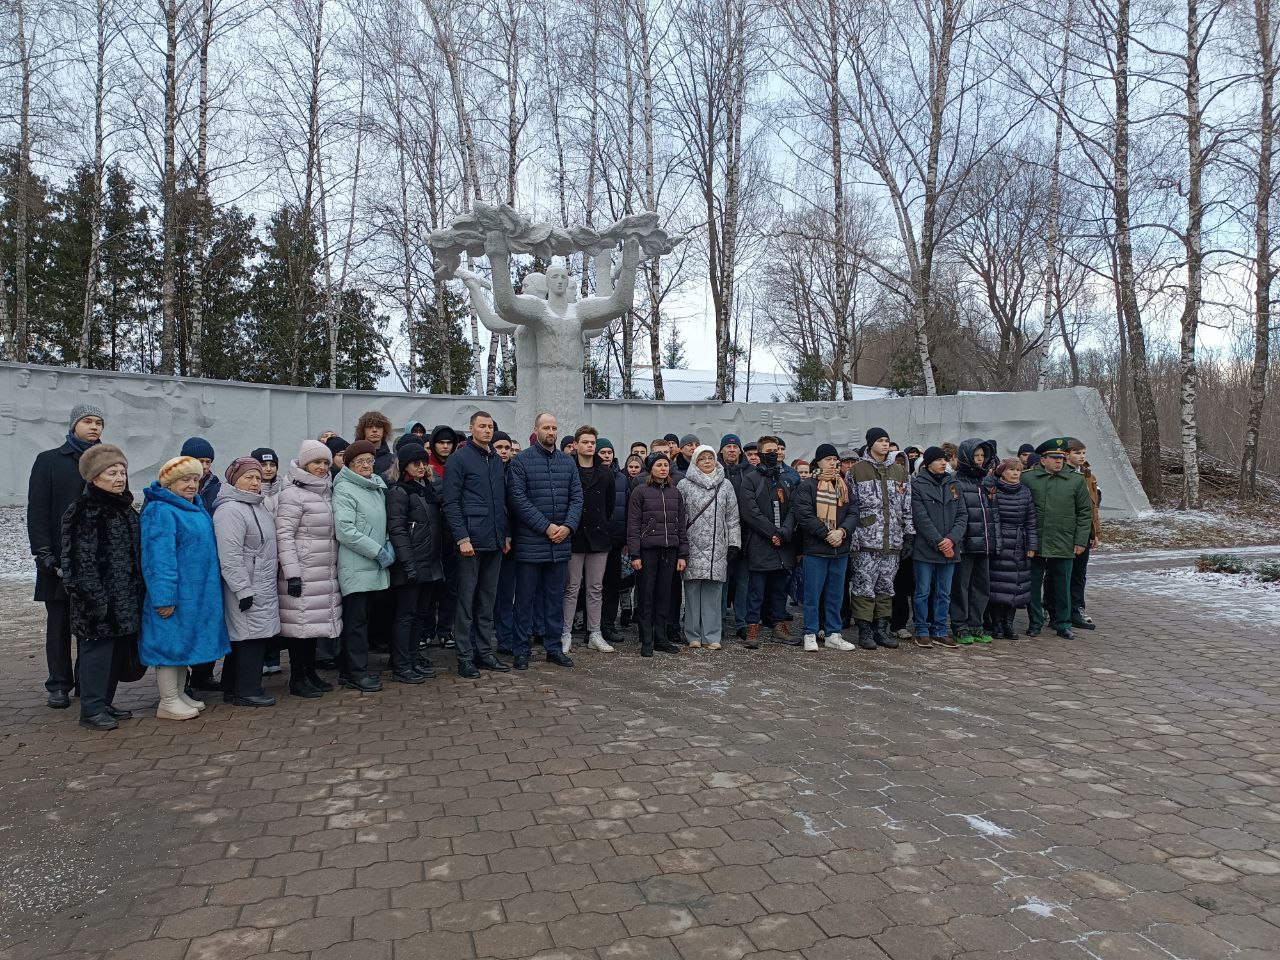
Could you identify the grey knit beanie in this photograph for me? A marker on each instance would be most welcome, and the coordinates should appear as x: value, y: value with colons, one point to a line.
x: 82, y: 410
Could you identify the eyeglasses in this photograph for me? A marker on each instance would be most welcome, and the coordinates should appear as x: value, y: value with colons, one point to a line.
x: 365, y: 461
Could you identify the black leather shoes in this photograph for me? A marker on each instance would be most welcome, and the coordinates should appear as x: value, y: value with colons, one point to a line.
x: 255, y: 701
x: 313, y: 678
x: 520, y: 663
x: 665, y: 646
x: 303, y: 688
x: 467, y: 670
x: 365, y: 684
x: 102, y: 721
x: 490, y: 662
x: 58, y: 700
x: 558, y: 658
x: 117, y: 714
x: 406, y: 677
x: 1065, y: 634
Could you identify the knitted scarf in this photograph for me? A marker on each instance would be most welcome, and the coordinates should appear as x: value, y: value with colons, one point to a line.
x: 832, y: 495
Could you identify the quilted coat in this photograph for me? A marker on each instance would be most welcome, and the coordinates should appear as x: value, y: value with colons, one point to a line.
x: 180, y: 567
x: 939, y: 513
x: 982, y: 534
x: 1010, y: 565
x: 360, y: 523
x: 414, y: 527
x: 711, y: 506
x: 102, y: 564
x: 883, y: 494
x: 542, y: 488
x: 307, y: 550
x: 246, y: 534
x: 656, y: 518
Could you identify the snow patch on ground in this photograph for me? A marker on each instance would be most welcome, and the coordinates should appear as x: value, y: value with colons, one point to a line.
x: 16, y: 564
x: 1237, y: 597
x: 1040, y: 908
x: 1155, y: 528
x: 985, y: 826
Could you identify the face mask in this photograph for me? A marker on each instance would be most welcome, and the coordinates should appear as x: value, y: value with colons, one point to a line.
x: 769, y: 459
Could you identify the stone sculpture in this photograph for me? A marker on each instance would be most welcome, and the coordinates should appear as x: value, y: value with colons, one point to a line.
x: 550, y: 328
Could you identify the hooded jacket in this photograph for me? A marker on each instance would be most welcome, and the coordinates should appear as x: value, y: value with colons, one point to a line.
x: 939, y: 513
x: 438, y: 465
x: 543, y: 488
x: 360, y: 524
x: 475, y: 498
x: 656, y: 518
x: 246, y: 534
x: 1010, y: 565
x: 982, y: 534
x: 711, y: 506
x: 102, y: 564
x: 415, y: 529
x: 883, y: 495
x: 180, y: 568
x: 307, y: 551
x: 599, y: 490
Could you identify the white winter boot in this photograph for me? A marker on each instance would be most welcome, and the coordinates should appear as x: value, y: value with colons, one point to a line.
x: 182, y: 692
x: 836, y: 642
x: 172, y: 707
x: 596, y: 641
x: 566, y: 641
x: 810, y: 643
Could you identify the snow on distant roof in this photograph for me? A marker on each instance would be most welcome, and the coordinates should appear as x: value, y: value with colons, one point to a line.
x: 684, y: 384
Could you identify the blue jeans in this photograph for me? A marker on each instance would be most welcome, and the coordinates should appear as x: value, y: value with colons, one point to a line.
x: 767, y: 596
x: 823, y: 593
x: 933, y: 582
x: 504, y: 605
x: 540, y: 602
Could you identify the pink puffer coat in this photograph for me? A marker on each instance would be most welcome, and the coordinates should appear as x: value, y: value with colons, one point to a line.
x: 308, y: 550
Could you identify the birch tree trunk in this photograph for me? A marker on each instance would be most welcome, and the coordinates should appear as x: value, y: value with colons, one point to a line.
x: 1053, y: 318
x: 1195, y: 266
x: 22, y: 194
x: 171, y: 11
x: 1263, y: 267
x: 199, y: 253
x: 652, y: 278
x: 99, y: 172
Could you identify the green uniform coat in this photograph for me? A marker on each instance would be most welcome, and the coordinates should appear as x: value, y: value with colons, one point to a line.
x: 1064, y: 510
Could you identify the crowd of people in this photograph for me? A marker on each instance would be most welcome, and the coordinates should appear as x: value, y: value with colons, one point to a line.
x: 461, y: 540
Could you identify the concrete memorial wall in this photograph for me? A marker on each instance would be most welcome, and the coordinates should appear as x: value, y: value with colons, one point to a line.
x: 150, y: 416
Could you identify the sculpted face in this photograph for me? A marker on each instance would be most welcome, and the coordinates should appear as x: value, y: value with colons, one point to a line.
x: 557, y: 280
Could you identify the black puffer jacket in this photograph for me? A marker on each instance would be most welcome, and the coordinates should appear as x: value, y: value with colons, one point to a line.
x: 102, y: 564
x: 982, y: 534
x: 618, y: 519
x: 813, y: 532
x: 656, y: 518
x: 598, y: 492
x: 1010, y: 565
x: 415, y: 529
x: 761, y: 488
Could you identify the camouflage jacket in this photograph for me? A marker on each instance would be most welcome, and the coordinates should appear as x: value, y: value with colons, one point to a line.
x: 883, y: 492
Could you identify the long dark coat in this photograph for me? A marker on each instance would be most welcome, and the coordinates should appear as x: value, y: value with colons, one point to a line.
x: 1010, y: 565
x: 760, y: 489
x: 55, y: 484
x: 102, y: 564
x: 598, y: 502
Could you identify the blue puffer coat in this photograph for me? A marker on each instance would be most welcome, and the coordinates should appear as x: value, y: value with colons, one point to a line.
x: 543, y: 488
x: 982, y: 535
x: 180, y: 566
x: 1010, y: 566
x: 618, y: 519
x: 475, y: 497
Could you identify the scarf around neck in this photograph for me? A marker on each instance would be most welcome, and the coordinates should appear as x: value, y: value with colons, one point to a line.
x: 80, y: 446
x: 832, y: 495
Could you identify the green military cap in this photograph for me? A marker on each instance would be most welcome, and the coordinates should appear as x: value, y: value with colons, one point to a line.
x: 1058, y: 445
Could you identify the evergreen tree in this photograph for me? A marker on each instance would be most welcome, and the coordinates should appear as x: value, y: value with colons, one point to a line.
x: 41, y: 286
x: 360, y: 356
x: 285, y: 322
x: 811, y: 382
x: 454, y: 348
x: 673, y: 348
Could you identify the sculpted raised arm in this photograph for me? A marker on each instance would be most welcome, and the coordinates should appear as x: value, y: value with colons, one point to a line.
x: 512, y: 307
x: 476, y: 286
x: 597, y: 312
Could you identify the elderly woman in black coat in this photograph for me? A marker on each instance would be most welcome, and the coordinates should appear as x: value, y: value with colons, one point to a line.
x: 1019, y: 541
x: 102, y: 574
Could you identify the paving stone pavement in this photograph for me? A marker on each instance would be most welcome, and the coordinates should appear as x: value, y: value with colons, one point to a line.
x: 1118, y: 797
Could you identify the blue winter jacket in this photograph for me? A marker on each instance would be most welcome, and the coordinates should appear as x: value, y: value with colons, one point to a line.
x: 180, y: 566
x: 543, y: 488
x: 475, y: 497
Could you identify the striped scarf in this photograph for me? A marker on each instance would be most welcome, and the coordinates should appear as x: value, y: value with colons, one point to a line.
x: 832, y: 495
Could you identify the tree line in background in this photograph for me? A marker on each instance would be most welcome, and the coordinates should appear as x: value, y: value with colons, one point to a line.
x: 932, y: 195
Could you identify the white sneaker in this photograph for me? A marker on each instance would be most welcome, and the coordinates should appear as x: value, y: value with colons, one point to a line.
x: 713, y: 646
x: 566, y: 641
x: 810, y: 643
x: 836, y: 642
x: 695, y: 644
x: 597, y: 642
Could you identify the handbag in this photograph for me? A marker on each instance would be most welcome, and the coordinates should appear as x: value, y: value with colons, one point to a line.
x: 132, y: 669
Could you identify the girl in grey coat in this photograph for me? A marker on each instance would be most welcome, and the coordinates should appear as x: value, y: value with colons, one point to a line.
x: 715, y: 534
x: 246, y: 534
x: 310, y: 600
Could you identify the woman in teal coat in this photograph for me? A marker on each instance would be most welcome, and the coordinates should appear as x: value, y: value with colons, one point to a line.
x: 182, y: 619
x: 364, y: 553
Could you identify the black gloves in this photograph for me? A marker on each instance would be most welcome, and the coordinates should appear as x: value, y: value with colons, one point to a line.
x: 246, y: 603
x: 47, y: 561
x: 908, y: 542
x: 733, y: 554
x: 295, y: 586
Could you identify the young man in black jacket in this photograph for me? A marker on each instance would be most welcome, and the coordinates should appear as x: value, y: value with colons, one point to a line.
x: 764, y: 502
x: 55, y: 484
x: 591, y: 541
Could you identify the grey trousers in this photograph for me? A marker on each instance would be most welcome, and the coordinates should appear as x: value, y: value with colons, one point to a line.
x: 588, y: 567
x: 477, y: 593
x: 702, y: 623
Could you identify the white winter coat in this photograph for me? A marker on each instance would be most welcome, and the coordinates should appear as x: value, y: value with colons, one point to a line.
x: 308, y: 550
x: 246, y: 535
x: 712, y: 508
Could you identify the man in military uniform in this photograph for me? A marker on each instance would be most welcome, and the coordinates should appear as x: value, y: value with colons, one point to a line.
x: 1064, y: 514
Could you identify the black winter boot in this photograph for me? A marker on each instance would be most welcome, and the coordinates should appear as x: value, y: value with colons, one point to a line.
x: 866, y: 636
x: 881, y: 635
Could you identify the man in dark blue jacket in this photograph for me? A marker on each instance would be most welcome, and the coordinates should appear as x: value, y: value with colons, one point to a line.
x: 545, y: 497
x: 475, y: 509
